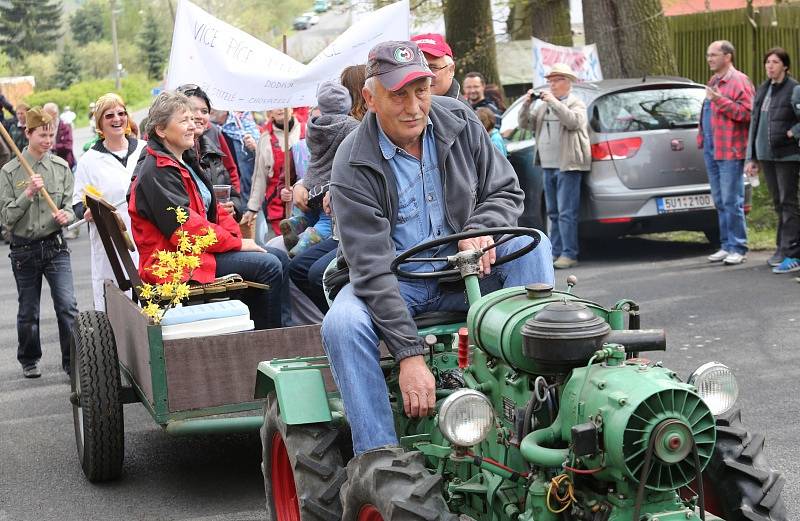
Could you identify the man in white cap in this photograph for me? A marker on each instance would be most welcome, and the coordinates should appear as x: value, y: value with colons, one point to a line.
x: 562, y: 150
x: 417, y: 168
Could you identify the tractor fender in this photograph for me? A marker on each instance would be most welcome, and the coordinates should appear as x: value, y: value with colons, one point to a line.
x: 299, y: 387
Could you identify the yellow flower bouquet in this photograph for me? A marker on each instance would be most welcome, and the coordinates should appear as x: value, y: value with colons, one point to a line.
x: 175, y: 268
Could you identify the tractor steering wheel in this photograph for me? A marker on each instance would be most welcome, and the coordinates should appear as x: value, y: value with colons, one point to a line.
x: 509, y: 233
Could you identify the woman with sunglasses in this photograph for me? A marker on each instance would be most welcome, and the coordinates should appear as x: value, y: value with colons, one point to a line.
x: 107, y: 166
x: 167, y: 177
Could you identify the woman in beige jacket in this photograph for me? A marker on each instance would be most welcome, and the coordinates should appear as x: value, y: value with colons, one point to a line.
x: 562, y: 150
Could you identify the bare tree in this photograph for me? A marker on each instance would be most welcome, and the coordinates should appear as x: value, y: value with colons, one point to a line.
x: 631, y: 36
x: 471, y: 36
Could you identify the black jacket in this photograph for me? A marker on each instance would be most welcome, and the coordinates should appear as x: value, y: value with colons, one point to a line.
x: 210, y: 157
x: 783, y: 114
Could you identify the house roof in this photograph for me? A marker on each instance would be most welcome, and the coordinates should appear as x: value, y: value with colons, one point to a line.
x: 679, y: 7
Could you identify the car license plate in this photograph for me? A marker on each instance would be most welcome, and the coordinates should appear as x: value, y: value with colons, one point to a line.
x: 684, y: 203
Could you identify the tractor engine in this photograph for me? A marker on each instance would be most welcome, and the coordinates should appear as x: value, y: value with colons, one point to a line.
x: 622, y: 436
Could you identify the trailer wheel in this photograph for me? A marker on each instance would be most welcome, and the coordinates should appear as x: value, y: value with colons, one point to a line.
x: 96, y: 405
x: 393, y: 485
x: 743, y: 485
x: 302, y: 467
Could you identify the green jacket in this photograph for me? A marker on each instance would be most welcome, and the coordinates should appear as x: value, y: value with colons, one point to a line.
x: 33, y: 218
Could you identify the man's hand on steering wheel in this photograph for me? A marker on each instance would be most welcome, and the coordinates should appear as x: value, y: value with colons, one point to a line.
x: 479, y: 243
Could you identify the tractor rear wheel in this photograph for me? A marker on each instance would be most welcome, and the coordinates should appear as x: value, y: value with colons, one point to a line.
x: 393, y: 485
x: 743, y: 485
x: 302, y: 467
x: 96, y: 404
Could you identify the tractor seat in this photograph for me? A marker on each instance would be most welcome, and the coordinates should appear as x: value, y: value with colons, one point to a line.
x: 439, y: 318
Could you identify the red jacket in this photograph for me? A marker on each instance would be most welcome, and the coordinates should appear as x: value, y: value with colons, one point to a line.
x: 730, y: 115
x: 161, y: 182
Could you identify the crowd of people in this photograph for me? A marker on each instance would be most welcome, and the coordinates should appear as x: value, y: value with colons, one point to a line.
x: 362, y: 174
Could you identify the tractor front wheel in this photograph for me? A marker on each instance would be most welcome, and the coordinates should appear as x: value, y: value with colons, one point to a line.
x: 743, y: 485
x: 393, y: 485
x: 302, y: 467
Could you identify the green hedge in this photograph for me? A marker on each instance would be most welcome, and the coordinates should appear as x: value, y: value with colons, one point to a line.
x: 136, y: 89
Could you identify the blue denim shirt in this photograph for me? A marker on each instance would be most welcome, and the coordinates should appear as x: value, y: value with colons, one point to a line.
x: 420, y: 216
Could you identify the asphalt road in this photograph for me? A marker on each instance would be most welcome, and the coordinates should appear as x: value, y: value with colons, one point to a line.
x: 744, y: 316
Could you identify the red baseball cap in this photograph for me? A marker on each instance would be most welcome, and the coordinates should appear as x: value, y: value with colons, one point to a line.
x: 433, y: 44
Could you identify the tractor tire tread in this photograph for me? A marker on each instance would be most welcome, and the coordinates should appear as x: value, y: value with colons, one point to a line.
x: 397, y: 484
x: 316, y: 463
x: 746, y: 486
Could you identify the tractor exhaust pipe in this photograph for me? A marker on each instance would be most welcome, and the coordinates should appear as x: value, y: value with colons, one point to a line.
x: 636, y: 340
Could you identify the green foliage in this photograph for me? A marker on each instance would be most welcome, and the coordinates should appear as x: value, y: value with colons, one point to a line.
x: 86, y: 24
x: 43, y: 67
x: 135, y: 90
x: 69, y: 68
x: 151, y: 45
x: 29, y: 27
x: 97, y: 59
x: 5, y: 65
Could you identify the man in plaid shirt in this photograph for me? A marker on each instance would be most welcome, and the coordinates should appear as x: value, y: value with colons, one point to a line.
x: 724, y: 125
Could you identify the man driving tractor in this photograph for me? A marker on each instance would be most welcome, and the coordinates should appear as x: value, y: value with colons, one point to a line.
x: 418, y: 168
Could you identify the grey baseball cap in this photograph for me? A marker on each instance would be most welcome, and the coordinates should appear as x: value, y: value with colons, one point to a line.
x: 396, y: 64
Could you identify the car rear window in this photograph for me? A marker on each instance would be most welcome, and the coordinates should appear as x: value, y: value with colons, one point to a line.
x: 650, y: 109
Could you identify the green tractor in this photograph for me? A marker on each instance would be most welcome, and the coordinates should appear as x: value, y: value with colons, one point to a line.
x: 545, y: 412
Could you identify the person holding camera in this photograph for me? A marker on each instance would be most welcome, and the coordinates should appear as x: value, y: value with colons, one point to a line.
x: 561, y: 129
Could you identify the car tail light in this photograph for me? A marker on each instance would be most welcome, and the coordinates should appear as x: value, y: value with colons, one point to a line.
x: 616, y: 220
x: 616, y: 149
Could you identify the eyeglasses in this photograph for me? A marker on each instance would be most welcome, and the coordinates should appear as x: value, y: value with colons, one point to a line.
x: 188, y: 89
x: 111, y: 115
x: 437, y: 69
x: 556, y: 79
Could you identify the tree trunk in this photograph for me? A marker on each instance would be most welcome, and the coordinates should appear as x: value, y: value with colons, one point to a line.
x: 631, y: 36
x: 547, y: 20
x: 471, y: 36
x: 550, y: 21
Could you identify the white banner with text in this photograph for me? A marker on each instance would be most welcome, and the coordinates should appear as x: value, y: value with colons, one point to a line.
x: 583, y: 61
x: 240, y: 72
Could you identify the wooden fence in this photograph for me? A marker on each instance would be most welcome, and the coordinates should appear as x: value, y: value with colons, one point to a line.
x: 752, y: 35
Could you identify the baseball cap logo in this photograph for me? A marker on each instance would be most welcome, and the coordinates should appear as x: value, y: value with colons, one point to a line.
x: 403, y: 54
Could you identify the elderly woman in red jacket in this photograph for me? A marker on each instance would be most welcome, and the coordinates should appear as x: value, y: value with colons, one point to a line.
x: 169, y: 176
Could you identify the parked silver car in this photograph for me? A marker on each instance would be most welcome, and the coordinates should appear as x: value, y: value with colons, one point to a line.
x: 647, y: 173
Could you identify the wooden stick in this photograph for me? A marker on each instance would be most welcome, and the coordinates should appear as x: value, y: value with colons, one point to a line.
x: 27, y: 167
x: 287, y: 165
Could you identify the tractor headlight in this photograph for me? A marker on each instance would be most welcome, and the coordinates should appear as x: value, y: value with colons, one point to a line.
x: 466, y: 417
x: 716, y: 385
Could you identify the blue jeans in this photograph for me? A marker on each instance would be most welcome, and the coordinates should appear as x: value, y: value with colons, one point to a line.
x: 306, y: 270
x: 49, y: 259
x: 727, y: 189
x: 562, y: 193
x: 270, y: 308
x: 351, y: 341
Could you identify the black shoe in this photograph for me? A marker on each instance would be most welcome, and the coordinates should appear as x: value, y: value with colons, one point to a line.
x: 66, y: 369
x: 31, y: 371
x: 776, y: 259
